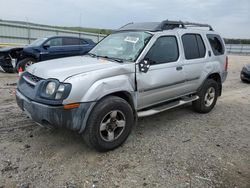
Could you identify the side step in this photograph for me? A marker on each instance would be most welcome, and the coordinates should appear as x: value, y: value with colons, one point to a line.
x: 167, y: 106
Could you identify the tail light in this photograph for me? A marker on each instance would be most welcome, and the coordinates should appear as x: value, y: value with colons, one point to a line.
x: 226, y: 64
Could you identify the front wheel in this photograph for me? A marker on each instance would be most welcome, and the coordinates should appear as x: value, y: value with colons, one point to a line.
x: 25, y: 63
x: 109, y: 124
x: 207, y: 97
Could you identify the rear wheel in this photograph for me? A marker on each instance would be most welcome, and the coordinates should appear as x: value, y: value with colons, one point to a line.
x: 109, y: 124
x: 207, y: 97
x: 25, y: 63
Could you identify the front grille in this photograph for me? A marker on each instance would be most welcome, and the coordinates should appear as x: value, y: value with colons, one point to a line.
x: 31, y: 79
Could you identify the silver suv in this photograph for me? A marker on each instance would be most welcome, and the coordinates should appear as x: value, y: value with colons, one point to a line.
x: 139, y: 70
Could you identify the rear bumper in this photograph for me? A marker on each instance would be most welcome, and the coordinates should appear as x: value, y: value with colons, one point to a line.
x: 55, y: 116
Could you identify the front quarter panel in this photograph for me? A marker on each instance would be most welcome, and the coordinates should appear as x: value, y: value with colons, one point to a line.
x: 94, y: 85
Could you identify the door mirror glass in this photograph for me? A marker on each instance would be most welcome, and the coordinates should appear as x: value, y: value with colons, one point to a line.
x: 144, y: 66
x: 46, y: 46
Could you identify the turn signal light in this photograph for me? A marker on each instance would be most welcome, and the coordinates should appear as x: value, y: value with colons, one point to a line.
x: 71, y: 106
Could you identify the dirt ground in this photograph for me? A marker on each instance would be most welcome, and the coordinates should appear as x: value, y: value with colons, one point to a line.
x: 177, y: 148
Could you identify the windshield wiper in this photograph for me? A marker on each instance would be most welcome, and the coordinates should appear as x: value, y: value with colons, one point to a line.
x: 106, y: 57
x: 92, y: 55
x: 112, y: 58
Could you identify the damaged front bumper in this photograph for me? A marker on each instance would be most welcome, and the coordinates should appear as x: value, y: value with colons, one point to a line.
x: 55, y: 116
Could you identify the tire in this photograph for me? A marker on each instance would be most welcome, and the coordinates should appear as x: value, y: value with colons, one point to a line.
x: 207, y: 97
x: 111, y: 114
x: 8, y: 69
x: 25, y: 63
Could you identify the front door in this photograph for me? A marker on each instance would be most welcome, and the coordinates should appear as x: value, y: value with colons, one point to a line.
x: 53, y: 49
x: 165, y: 78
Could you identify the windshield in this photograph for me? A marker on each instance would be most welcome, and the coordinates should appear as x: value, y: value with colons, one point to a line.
x: 123, y: 45
x: 38, y: 42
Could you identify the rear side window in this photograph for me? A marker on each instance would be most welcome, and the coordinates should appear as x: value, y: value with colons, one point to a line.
x: 164, y: 50
x: 71, y: 41
x: 83, y: 41
x: 194, y: 47
x: 216, y: 44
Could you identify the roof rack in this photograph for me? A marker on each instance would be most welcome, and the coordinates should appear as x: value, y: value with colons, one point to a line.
x: 190, y: 24
x: 164, y: 25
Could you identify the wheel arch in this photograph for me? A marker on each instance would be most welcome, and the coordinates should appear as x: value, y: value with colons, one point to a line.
x: 216, y: 77
x: 122, y: 94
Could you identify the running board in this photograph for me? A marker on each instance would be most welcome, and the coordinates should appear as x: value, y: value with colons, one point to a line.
x: 158, y: 109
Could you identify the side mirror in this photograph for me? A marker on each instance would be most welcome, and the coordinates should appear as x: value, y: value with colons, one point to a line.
x: 144, y: 66
x: 46, y: 46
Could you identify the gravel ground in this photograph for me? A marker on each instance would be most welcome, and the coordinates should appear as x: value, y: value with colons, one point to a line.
x: 177, y: 148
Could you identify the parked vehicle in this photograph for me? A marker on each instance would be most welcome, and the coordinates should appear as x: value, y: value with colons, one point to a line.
x: 140, y: 70
x: 53, y: 47
x: 8, y: 58
x: 245, y: 73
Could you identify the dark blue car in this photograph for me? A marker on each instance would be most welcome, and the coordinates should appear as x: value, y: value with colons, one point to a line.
x: 51, y: 48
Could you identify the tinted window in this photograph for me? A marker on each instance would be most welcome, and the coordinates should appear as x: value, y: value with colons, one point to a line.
x: 193, y: 46
x: 164, y: 50
x: 201, y: 46
x: 55, y: 42
x: 71, y: 41
x: 216, y: 44
x: 83, y: 41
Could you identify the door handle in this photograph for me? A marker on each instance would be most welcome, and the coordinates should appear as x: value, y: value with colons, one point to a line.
x: 178, y: 68
x: 209, y: 53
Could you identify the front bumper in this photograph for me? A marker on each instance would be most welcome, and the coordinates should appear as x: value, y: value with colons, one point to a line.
x: 55, y: 116
x: 8, y: 63
x: 245, y: 76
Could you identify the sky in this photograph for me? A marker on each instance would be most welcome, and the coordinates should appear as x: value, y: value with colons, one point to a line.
x: 231, y: 18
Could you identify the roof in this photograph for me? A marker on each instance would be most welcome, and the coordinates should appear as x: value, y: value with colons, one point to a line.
x: 159, y: 26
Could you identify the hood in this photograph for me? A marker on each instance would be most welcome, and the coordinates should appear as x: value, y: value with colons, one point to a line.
x: 66, y: 67
x: 10, y: 49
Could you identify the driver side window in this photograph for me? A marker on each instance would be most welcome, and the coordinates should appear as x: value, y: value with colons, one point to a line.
x: 164, y: 50
x: 54, y: 42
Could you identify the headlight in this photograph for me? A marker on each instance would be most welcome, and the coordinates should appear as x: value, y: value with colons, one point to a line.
x: 60, y: 91
x: 50, y: 88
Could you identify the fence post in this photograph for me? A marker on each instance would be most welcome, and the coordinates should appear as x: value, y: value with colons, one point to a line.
x: 28, y: 32
x: 98, y: 37
x: 241, y: 49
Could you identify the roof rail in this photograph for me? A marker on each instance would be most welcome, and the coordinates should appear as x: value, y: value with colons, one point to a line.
x: 190, y: 24
x: 159, y: 26
x: 165, y: 25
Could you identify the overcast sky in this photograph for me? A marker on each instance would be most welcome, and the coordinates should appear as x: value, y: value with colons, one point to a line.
x: 229, y: 17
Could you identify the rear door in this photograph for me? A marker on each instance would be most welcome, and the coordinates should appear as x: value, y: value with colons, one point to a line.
x: 71, y: 46
x: 165, y: 78
x: 195, y: 58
